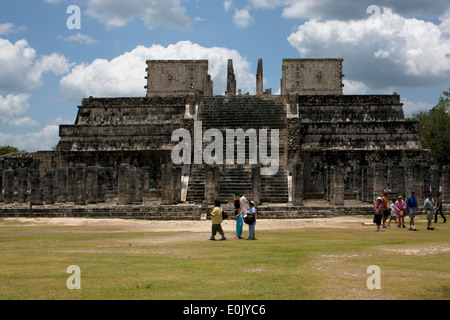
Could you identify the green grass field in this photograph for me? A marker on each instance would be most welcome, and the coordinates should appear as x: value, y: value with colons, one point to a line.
x: 307, y: 263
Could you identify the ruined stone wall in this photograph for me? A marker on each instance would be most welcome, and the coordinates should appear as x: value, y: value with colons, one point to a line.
x: 172, y: 77
x: 312, y: 76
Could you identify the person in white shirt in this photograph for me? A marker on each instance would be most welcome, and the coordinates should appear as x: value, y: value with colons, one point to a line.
x: 244, y: 204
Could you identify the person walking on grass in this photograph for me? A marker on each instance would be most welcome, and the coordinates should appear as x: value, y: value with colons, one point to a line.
x: 439, y: 208
x: 384, y: 203
x: 428, y: 207
x: 411, y: 202
x: 401, y: 211
x: 239, y: 217
x: 251, y: 227
x: 393, y: 213
x: 378, y: 208
x: 216, y: 219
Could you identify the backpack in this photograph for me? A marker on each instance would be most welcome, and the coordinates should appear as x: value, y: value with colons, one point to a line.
x: 224, y: 215
x: 249, y: 219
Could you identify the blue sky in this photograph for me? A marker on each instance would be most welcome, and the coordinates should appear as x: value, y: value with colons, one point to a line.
x: 47, y: 68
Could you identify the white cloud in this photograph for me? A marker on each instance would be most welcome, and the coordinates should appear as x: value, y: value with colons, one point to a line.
x: 349, y: 9
x: 124, y: 75
x: 45, y: 139
x: 411, y: 108
x: 227, y: 5
x: 155, y: 13
x: 13, y: 109
x: 22, y: 70
x: 242, y: 18
x: 401, y: 52
x: 8, y: 27
x: 80, y: 38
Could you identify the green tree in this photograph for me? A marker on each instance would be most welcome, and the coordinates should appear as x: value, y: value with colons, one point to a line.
x: 434, y: 131
x: 4, y: 150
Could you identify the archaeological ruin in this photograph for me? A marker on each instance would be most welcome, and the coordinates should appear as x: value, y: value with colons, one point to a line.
x: 116, y: 160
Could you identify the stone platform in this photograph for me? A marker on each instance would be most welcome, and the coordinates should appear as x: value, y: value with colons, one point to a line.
x: 152, y: 210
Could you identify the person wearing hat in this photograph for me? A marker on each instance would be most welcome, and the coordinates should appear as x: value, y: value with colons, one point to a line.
x: 428, y: 207
x: 401, y: 210
x: 378, y: 213
x: 251, y: 227
x: 411, y: 202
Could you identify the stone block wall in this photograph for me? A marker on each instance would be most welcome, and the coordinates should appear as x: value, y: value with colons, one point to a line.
x: 173, y: 77
x: 312, y: 76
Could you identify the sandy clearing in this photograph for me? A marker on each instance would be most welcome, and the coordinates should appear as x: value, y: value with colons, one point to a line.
x: 133, y: 225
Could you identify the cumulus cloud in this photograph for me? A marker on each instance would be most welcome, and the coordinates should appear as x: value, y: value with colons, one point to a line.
x: 124, y: 75
x: 242, y: 18
x: 227, y: 5
x: 45, y: 139
x: 349, y: 9
x: 80, y: 38
x: 21, y: 68
x: 6, y: 28
x: 397, y: 51
x: 13, y: 109
x: 154, y: 13
x: 411, y: 108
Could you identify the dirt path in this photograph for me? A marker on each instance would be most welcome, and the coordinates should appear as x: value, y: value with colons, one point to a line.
x: 131, y: 225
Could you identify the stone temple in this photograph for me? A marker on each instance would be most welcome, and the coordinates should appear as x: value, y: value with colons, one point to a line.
x: 116, y: 159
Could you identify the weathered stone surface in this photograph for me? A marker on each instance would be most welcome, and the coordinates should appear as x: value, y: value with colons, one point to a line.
x: 350, y: 146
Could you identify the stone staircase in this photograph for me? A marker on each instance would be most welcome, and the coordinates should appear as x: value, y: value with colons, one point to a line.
x: 242, y: 112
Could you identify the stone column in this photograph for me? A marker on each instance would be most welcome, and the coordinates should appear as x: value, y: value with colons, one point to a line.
x: 256, y: 184
x: 123, y: 185
x: 22, y: 185
x: 49, y: 192
x: 61, y: 195
x: 211, y: 183
x: 370, y: 177
x: 327, y: 188
x: 35, y: 188
x: 379, y: 180
x: 259, y: 78
x: 364, y: 196
x: 80, y: 184
x: 337, y: 178
x: 231, y: 79
x: 297, y: 184
x: 145, y: 171
x: 8, y: 177
x: 101, y: 184
x: 132, y: 184
x: 445, y: 185
x: 71, y: 174
x: 91, y: 184
x: 167, y: 184
x: 138, y: 198
x: 434, y: 179
x: 1, y: 184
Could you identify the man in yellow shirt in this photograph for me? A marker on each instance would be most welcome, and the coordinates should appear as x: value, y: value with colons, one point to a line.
x: 216, y: 218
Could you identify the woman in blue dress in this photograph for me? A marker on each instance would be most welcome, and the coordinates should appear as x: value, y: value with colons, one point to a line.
x: 239, y: 217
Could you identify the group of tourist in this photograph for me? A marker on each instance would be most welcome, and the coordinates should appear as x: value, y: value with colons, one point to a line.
x: 398, y: 209
x: 244, y: 211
